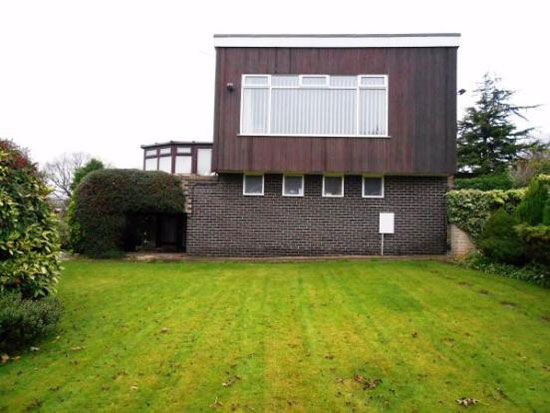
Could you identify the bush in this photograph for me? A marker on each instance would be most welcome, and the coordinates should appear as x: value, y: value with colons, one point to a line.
x: 499, y: 239
x: 531, y: 210
x: 24, y: 322
x: 100, y: 207
x: 532, y: 272
x: 537, y: 242
x: 470, y: 209
x: 485, y: 183
x: 29, y: 241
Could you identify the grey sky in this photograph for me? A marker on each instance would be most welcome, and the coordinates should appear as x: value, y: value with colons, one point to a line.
x: 105, y: 77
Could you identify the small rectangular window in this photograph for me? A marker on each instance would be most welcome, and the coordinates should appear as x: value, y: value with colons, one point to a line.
x: 293, y: 185
x: 204, y: 161
x: 151, y: 152
x: 373, y: 187
x: 151, y: 164
x: 319, y: 80
x: 367, y: 81
x: 333, y: 186
x: 183, y: 164
x: 184, y: 150
x: 165, y: 164
x: 253, y: 185
x: 253, y: 80
x: 165, y: 151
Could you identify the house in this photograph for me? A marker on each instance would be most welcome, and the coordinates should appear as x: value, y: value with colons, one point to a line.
x: 322, y: 142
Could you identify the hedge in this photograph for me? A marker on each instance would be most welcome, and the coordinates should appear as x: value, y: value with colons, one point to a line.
x: 29, y: 241
x: 470, y: 209
x: 485, y: 183
x: 100, y: 206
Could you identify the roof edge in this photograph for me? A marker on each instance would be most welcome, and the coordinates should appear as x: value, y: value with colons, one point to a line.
x: 338, y: 40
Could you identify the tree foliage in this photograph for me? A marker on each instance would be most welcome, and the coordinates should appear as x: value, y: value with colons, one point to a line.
x: 488, y: 140
x: 80, y: 173
x: 100, y: 207
x: 29, y: 242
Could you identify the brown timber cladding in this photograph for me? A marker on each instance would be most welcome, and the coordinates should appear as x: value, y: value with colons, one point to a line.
x: 224, y: 222
x: 422, y: 112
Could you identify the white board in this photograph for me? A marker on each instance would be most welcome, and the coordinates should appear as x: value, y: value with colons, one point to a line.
x: 386, y: 222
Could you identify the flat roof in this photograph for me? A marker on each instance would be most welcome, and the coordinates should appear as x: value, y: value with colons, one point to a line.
x: 153, y: 145
x: 338, y: 40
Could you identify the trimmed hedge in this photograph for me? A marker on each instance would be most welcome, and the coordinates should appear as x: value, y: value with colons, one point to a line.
x: 29, y: 240
x: 100, y: 206
x: 485, y: 183
x: 470, y: 209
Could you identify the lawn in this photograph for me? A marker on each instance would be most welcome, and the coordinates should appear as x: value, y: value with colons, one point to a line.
x: 322, y: 336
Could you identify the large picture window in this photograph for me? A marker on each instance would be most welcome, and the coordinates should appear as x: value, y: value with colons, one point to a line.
x: 314, y: 105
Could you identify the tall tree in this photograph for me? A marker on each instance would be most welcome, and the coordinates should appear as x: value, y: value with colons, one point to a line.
x: 80, y: 173
x: 488, y: 140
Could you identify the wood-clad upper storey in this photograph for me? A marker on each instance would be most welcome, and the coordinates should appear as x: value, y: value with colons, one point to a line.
x: 421, y: 111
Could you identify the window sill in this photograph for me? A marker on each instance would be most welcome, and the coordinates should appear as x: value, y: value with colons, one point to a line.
x: 285, y: 135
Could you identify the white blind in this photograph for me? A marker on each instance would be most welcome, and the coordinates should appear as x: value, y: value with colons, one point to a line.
x: 315, y: 105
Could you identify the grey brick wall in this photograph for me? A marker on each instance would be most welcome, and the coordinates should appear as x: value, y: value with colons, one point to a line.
x: 224, y: 222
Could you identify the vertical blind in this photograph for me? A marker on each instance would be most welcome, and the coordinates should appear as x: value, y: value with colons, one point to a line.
x: 315, y: 105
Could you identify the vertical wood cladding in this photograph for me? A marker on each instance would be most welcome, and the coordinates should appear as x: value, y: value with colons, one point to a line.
x: 224, y: 222
x: 422, y: 112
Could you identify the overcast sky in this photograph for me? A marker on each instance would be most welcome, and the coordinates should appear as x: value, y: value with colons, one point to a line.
x: 104, y: 77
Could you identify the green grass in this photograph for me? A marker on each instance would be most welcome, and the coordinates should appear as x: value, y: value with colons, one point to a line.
x: 165, y: 336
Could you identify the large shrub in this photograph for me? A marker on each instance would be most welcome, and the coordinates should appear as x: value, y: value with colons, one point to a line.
x: 25, y: 321
x: 470, y: 209
x: 499, y: 239
x: 532, y: 208
x: 29, y: 242
x: 485, y: 182
x: 102, y: 203
x: 536, y: 239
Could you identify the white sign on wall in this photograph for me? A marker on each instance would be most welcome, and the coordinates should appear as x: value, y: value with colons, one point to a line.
x: 386, y: 222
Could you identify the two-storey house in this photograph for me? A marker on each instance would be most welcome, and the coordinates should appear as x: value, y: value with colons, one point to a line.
x: 315, y: 136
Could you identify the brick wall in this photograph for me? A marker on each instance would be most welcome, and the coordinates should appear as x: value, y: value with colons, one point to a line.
x: 224, y: 222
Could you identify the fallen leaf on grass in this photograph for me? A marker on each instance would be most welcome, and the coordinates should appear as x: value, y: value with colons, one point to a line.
x: 134, y: 387
x: 77, y: 348
x: 164, y: 330
x: 4, y: 358
x: 231, y: 380
x: 216, y: 403
x: 368, y: 383
x: 35, y: 348
x: 467, y: 401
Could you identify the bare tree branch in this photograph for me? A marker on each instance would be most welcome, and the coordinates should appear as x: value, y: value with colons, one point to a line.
x: 60, y: 172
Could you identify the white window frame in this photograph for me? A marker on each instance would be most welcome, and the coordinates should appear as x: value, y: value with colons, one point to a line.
x: 244, y: 186
x: 358, y: 87
x: 363, y: 187
x: 343, y: 179
x: 302, y: 189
